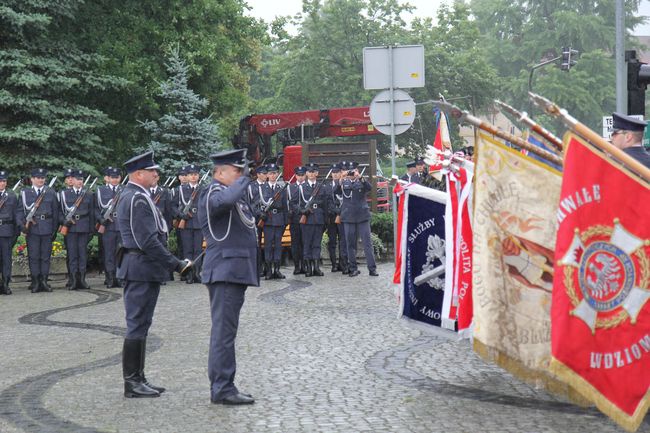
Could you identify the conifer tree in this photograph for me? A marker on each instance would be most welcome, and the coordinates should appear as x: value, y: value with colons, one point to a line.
x: 183, y: 134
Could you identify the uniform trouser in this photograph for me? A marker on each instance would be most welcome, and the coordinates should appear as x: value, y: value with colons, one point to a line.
x: 335, y: 236
x: 352, y: 232
x: 179, y: 244
x: 312, y: 235
x: 226, y: 300
x: 5, y: 256
x: 296, y: 241
x: 192, y: 240
x: 273, y: 243
x: 110, y: 240
x: 140, y: 298
x: 77, y: 245
x: 39, y: 250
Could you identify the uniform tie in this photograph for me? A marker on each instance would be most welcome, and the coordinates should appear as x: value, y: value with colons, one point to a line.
x: 38, y: 192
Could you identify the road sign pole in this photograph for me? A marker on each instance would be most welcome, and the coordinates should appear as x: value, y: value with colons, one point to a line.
x: 392, y: 141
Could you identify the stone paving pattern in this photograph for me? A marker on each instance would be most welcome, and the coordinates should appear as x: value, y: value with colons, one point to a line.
x: 319, y: 354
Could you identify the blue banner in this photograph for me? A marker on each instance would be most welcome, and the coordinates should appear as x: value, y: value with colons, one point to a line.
x: 423, y: 240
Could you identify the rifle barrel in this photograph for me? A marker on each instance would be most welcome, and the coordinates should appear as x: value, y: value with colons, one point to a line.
x: 536, y: 127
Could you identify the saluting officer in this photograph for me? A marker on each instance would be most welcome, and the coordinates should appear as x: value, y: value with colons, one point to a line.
x: 79, y: 227
x: 107, y: 198
x: 275, y: 221
x: 334, y: 229
x: 313, y: 203
x: 191, y: 236
x: 230, y: 266
x: 40, y: 203
x: 143, y: 263
x: 355, y: 216
x: 255, y: 197
x: 8, y: 230
x: 293, y: 199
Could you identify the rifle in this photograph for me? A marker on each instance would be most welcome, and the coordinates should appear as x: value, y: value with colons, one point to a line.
x: 108, y: 212
x: 314, y: 194
x: 17, y: 184
x: 188, y: 207
x: 29, y: 219
x: 581, y: 129
x: 69, y: 218
x: 536, y: 127
x: 276, y: 197
x: 465, y: 117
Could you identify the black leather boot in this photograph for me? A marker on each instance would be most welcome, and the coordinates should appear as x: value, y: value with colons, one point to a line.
x: 43, y: 285
x: 335, y: 267
x: 132, y: 363
x: 115, y: 282
x: 143, y: 356
x: 308, y: 268
x: 34, y: 284
x: 276, y: 271
x: 6, y: 280
x: 296, y: 267
x: 268, y: 271
x: 2, y: 287
x: 72, y: 280
x: 316, y: 271
x: 189, y: 277
x: 81, y: 281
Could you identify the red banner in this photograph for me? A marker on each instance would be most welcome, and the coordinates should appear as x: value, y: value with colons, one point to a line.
x: 600, y: 312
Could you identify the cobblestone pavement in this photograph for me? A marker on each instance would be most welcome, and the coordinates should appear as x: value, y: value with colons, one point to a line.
x: 319, y: 354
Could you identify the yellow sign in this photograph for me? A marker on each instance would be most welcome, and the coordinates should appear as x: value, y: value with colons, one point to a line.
x: 407, y: 113
x: 371, y: 127
x: 348, y: 129
x: 414, y: 75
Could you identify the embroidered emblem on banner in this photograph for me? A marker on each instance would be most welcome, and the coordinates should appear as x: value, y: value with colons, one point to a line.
x: 435, y: 258
x: 612, y: 272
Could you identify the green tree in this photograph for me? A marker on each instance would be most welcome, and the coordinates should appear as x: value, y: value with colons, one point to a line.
x: 44, y: 84
x: 220, y: 44
x: 519, y: 34
x: 181, y: 135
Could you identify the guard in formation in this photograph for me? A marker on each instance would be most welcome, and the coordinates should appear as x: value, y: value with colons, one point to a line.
x: 293, y: 204
x: 335, y: 230
x: 275, y: 217
x: 230, y: 266
x: 108, y: 197
x: 143, y: 263
x: 313, y: 208
x: 188, y: 226
x: 40, y: 221
x: 9, y: 230
x: 255, y: 198
x: 355, y: 216
x: 77, y: 209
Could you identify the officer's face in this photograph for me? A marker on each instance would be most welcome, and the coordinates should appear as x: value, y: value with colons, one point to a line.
x: 182, y: 178
x: 69, y: 181
x: 420, y: 168
x: 115, y: 180
x: 78, y: 182
x: 144, y: 178
x: 412, y: 170
x: 3, y: 184
x: 262, y: 177
x: 312, y: 175
x: 336, y: 175
x: 38, y: 181
x: 273, y: 176
x: 227, y: 174
x: 193, y: 177
x: 300, y: 178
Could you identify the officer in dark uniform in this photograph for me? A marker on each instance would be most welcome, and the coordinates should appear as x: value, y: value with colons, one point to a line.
x: 293, y: 200
x: 628, y: 136
x: 143, y: 263
x: 230, y: 265
x: 355, y: 216
x: 421, y: 167
x: 411, y: 175
x: 40, y: 229
x: 255, y: 195
x: 182, y: 180
x: 275, y: 221
x: 335, y: 237
x: 313, y: 206
x: 162, y: 199
x: 8, y: 230
x: 80, y: 226
x: 68, y: 183
x: 107, y: 197
x: 191, y: 236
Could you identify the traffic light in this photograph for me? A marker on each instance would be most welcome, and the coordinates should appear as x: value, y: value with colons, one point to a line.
x: 568, y: 56
x: 638, y: 78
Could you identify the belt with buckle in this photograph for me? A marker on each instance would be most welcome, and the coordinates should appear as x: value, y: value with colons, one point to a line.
x: 7, y: 221
x: 134, y: 251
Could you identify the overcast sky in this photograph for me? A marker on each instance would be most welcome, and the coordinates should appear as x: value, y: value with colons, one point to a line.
x: 267, y: 10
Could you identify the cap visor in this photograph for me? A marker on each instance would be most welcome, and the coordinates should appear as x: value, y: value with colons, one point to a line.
x: 152, y: 167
